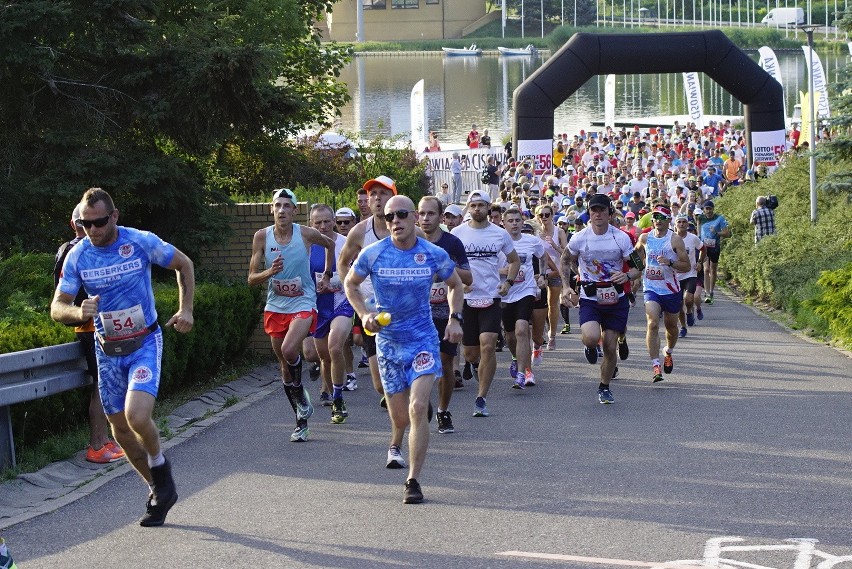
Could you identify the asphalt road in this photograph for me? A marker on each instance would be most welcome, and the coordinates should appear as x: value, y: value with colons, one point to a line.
x: 750, y: 437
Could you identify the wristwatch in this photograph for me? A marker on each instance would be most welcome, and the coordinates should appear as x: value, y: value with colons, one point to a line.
x: 457, y: 316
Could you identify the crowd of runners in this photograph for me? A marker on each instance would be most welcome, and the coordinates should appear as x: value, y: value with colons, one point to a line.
x: 405, y: 283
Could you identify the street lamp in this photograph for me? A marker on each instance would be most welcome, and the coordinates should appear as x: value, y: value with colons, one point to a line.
x: 809, y: 31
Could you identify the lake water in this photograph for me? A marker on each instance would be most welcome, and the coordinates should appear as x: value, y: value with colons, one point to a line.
x: 461, y: 91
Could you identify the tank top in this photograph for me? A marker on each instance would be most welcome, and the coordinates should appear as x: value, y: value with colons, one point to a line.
x: 370, y: 237
x: 550, y: 249
x: 660, y: 278
x: 291, y: 290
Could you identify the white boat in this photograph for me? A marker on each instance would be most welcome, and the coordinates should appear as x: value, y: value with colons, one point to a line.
x: 529, y: 50
x: 472, y: 50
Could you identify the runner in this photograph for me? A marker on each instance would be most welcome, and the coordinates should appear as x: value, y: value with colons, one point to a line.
x: 113, y: 265
x: 694, y: 252
x: 712, y: 227
x: 482, y: 241
x: 429, y: 215
x: 597, y: 254
x: 664, y: 255
x: 291, y: 298
x: 555, y: 242
x: 344, y: 219
x: 402, y: 269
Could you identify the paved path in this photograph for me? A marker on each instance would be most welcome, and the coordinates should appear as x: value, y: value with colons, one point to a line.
x: 748, y: 437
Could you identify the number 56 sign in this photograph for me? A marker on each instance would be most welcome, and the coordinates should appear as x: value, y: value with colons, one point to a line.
x: 538, y: 152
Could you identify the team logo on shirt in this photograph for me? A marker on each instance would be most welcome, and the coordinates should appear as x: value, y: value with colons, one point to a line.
x: 420, y: 258
x: 422, y: 362
x: 142, y: 375
x: 125, y: 250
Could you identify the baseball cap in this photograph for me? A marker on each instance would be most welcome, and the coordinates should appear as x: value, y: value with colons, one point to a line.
x: 629, y: 215
x: 709, y: 203
x: 285, y: 193
x: 76, y: 215
x: 527, y: 228
x: 454, y: 210
x: 569, y: 167
x: 566, y: 202
x: 681, y: 216
x: 599, y: 200
x: 383, y: 181
x: 344, y: 212
x: 663, y: 210
x: 477, y: 196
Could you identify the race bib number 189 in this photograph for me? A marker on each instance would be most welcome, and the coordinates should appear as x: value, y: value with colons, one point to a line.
x: 607, y: 295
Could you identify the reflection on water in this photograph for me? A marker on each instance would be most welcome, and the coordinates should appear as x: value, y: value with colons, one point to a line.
x: 461, y: 91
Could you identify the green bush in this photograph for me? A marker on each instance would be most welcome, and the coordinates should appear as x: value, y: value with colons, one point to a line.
x: 834, y: 302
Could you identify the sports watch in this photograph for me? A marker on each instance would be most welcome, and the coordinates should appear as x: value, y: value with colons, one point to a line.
x: 457, y: 316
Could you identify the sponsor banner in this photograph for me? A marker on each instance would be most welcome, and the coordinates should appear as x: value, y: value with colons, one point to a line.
x: 538, y: 152
x: 472, y: 159
x: 767, y: 146
x: 609, y: 101
x: 694, y: 104
x: 418, y: 115
x: 769, y: 63
x: 820, y: 86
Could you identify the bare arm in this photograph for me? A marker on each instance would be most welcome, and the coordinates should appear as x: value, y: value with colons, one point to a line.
x: 354, y: 244
x: 514, y: 266
x: 257, y: 276
x: 314, y: 237
x: 183, y: 319
x: 455, y: 296
x: 62, y: 308
x: 465, y: 275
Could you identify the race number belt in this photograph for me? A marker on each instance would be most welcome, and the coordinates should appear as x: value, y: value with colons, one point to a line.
x: 126, y: 346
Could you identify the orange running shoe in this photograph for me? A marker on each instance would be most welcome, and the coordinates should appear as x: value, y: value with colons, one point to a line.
x: 658, y: 375
x: 110, y: 452
x: 668, y: 363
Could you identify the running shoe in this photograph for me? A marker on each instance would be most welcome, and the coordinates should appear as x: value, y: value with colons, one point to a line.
x: 690, y: 318
x: 529, y: 378
x: 479, y: 408
x: 395, y: 459
x: 668, y: 363
x: 623, y: 348
x: 459, y: 382
x: 325, y: 399
x: 615, y: 373
x: 537, y: 356
x: 109, y: 452
x: 501, y: 343
x: 682, y: 332
x: 709, y: 299
x: 599, y: 350
x: 605, y: 396
x: 412, y: 493
x: 591, y: 355
x: 338, y: 412
x: 304, y: 409
x: 300, y: 433
x: 365, y: 362
x: 566, y: 329
x: 699, y: 313
x: 658, y: 376
x: 513, y: 368
x: 551, y: 344
x: 519, y: 382
x: 314, y: 372
x: 351, y: 382
x: 467, y: 373
x: 162, y: 497
x: 445, y: 423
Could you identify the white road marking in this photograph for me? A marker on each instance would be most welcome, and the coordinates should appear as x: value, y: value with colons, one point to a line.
x: 596, y: 560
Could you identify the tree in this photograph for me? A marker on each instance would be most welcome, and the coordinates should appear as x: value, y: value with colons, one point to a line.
x: 839, y: 149
x: 143, y: 98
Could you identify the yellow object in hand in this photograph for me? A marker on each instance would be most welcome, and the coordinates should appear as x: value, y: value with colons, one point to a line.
x: 383, y: 318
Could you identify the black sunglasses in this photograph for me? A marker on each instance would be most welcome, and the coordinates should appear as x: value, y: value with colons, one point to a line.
x: 343, y: 221
x: 544, y: 215
x: 401, y: 214
x: 99, y: 222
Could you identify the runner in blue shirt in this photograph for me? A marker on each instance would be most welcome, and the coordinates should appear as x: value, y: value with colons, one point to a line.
x: 113, y: 265
x: 402, y: 270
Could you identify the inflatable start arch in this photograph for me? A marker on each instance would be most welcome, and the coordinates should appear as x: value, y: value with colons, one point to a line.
x: 586, y: 55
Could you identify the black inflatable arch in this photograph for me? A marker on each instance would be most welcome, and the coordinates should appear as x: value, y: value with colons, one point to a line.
x: 586, y: 55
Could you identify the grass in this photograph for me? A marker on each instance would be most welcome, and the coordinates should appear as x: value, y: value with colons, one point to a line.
x: 65, y: 445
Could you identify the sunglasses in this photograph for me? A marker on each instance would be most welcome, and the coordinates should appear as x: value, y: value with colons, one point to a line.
x: 99, y: 222
x: 544, y: 215
x: 659, y: 217
x: 343, y: 221
x: 401, y: 214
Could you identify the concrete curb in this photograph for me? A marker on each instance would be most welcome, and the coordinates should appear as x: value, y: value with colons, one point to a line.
x: 63, y: 482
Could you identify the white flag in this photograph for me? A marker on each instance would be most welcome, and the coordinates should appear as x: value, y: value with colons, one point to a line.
x: 609, y: 101
x: 769, y: 63
x: 820, y: 86
x: 694, y: 104
x: 418, y: 115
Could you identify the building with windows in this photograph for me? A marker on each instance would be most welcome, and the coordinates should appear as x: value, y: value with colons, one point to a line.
x: 389, y: 20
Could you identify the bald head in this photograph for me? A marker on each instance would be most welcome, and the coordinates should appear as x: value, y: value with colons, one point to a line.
x: 399, y: 202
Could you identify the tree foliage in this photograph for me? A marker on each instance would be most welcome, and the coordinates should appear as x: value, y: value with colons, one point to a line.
x: 144, y: 98
x: 839, y: 149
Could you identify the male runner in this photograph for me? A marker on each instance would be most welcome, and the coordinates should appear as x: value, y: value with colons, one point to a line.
x: 291, y: 298
x: 597, y: 254
x: 665, y: 254
x: 694, y: 250
x: 113, y: 265
x: 482, y: 241
x: 402, y: 269
x: 711, y: 228
x: 429, y: 215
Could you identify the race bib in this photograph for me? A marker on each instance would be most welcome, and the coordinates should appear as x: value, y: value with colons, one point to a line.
x: 119, y: 324
x: 710, y: 243
x: 438, y: 294
x: 607, y: 295
x: 654, y: 273
x: 423, y: 361
x: 480, y: 302
x: 334, y: 283
x: 288, y: 287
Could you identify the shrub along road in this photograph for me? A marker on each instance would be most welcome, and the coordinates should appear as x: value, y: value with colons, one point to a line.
x: 748, y: 437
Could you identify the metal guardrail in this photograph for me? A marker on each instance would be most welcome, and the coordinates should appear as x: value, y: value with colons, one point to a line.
x: 33, y: 374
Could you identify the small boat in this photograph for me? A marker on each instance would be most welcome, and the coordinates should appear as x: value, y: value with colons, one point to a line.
x: 529, y: 50
x: 472, y: 50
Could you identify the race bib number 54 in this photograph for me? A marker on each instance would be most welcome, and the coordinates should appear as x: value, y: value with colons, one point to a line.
x: 123, y: 323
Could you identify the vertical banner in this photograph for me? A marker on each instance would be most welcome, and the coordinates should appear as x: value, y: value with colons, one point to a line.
x: 820, y: 86
x: 694, y: 104
x: 539, y: 153
x: 609, y: 101
x: 769, y: 63
x: 418, y: 115
x: 805, y: 104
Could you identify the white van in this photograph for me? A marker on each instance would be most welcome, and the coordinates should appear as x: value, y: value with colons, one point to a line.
x: 784, y: 17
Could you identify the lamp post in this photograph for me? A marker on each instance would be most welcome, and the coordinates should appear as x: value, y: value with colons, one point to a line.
x: 809, y: 31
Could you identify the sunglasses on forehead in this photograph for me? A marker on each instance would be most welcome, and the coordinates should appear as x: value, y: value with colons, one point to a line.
x: 400, y: 214
x: 88, y: 223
